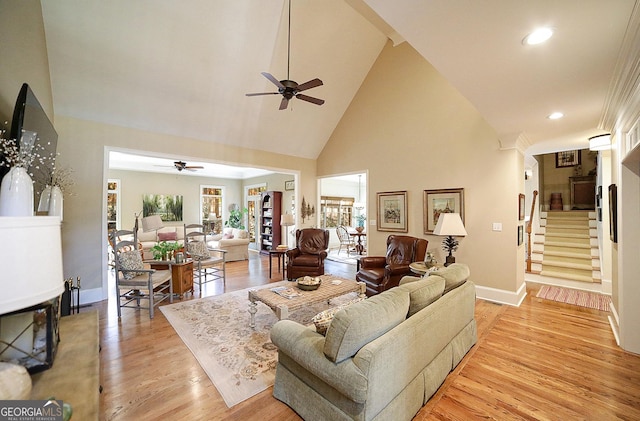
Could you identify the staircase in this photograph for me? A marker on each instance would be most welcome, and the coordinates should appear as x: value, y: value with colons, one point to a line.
x: 567, y: 246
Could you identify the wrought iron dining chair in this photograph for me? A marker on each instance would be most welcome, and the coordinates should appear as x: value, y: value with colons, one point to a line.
x: 346, y: 240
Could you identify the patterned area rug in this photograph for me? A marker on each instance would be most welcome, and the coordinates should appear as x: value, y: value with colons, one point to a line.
x: 240, y: 361
x: 575, y: 297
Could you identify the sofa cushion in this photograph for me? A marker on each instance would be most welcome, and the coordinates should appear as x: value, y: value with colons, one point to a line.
x: 454, y: 275
x: 198, y: 250
x: 362, y: 322
x: 131, y: 260
x: 144, y: 237
x: 227, y: 236
x: 422, y: 292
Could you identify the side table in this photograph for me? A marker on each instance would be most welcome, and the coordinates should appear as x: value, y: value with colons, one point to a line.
x: 280, y: 255
x: 181, y: 274
x: 420, y: 268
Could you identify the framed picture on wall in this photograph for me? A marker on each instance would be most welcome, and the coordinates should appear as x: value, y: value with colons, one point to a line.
x: 392, y: 211
x: 521, y: 207
x: 613, y: 213
x: 441, y: 201
x: 520, y: 235
x: 568, y: 159
x: 289, y: 185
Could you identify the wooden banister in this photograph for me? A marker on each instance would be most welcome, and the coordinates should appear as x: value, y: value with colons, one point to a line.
x: 533, y: 208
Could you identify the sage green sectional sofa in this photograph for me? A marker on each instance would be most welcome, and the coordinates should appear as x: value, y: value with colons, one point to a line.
x: 382, y: 358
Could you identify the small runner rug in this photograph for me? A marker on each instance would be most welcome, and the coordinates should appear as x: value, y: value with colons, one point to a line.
x: 240, y: 361
x: 575, y: 297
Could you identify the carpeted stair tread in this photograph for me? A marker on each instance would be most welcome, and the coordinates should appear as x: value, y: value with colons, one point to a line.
x: 570, y: 276
x: 565, y: 244
x: 561, y: 264
x: 567, y: 235
x: 584, y: 255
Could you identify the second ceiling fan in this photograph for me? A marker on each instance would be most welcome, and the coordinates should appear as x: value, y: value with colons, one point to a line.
x: 288, y: 88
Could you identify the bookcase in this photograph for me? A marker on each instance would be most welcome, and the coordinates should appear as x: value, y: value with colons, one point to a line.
x: 270, y: 211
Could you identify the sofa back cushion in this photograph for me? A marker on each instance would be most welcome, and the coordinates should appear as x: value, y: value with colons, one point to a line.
x: 360, y: 323
x: 454, y: 275
x: 238, y: 233
x: 145, y: 237
x: 422, y: 292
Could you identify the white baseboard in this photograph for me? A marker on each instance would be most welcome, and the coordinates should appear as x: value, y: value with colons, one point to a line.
x: 501, y: 296
x: 89, y: 296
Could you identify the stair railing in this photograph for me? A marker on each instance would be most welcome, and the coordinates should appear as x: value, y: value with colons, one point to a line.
x: 533, y: 208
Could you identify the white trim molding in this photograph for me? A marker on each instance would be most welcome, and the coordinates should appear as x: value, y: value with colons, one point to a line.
x: 502, y: 296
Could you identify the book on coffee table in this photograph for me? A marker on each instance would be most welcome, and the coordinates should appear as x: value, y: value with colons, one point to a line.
x: 286, y: 292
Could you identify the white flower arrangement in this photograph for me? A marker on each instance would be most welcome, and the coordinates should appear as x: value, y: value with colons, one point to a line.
x: 31, y: 156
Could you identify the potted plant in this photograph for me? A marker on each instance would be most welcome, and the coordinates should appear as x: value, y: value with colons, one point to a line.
x: 235, y: 217
x: 360, y: 222
x: 164, y: 250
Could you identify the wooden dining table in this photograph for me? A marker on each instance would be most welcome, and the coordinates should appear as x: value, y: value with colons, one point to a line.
x: 359, y: 245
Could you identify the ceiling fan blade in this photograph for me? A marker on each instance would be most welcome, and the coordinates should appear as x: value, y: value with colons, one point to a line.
x: 310, y: 99
x: 283, y: 104
x: 273, y: 80
x: 308, y: 85
x: 263, y: 93
x: 194, y: 167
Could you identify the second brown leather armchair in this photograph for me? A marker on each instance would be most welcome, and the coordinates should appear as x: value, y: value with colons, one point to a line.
x: 307, y: 259
x: 381, y: 273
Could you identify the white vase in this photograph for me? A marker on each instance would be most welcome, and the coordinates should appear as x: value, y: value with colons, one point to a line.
x: 16, y: 193
x: 43, y: 205
x: 55, y: 202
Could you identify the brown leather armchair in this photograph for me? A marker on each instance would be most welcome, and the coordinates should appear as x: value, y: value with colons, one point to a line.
x: 307, y: 259
x: 381, y: 273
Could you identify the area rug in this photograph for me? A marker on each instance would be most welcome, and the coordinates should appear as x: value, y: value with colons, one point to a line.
x: 575, y: 297
x: 240, y: 361
x: 342, y: 257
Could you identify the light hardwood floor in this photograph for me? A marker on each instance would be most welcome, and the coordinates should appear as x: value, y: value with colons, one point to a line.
x: 540, y: 361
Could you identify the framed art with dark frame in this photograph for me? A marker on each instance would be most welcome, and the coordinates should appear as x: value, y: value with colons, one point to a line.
x: 568, y: 159
x: 521, y: 207
x: 392, y: 211
x: 289, y: 185
x: 440, y: 201
x: 520, y: 235
x: 613, y: 213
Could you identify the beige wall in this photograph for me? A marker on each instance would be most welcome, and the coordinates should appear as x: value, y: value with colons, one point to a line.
x: 413, y: 131
x: 23, y: 56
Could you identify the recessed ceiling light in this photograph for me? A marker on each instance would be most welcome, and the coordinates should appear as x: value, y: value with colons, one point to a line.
x: 538, y: 36
x: 555, y: 116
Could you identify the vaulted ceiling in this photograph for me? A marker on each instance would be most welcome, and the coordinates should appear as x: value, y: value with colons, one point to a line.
x: 183, y: 67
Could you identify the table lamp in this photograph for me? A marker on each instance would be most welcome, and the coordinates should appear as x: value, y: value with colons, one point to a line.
x: 450, y: 225
x: 152, y: 223
x: 286, y: 220
x: 32, y: 275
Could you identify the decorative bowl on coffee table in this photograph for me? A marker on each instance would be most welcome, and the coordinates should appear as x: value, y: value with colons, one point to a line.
x: 308, y: 283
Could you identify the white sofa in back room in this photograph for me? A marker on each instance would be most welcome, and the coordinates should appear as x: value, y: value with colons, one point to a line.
x: 151, y: 238
x: 234, y: 241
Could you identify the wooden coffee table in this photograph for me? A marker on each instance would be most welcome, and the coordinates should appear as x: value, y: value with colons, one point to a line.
x: 181, y: 274
x: 283, y: 306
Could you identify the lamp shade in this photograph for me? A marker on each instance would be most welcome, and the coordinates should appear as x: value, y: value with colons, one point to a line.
x: 286, y: 220
x: 31, y: 270
x: 600, y: 143
x: 151, y: 223
x: 212, y: 216
x: 450, y: 224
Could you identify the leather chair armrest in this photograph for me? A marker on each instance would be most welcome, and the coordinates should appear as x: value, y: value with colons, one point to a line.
x: 396, y: 269
x: 293, y: 253
x: 323, y: 255
x: 373, y: 262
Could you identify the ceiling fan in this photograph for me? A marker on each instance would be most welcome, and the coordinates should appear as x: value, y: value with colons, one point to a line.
x: 181, y: 165
x: 288, y: 88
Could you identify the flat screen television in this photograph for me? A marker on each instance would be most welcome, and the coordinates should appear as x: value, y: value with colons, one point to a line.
x: 31, y: 125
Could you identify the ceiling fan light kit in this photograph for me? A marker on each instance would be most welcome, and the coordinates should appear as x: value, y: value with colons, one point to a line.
x: 287, y: 87
x: 181, y: 165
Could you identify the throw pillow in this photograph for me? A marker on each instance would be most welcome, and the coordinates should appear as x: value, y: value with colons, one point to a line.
x: 227, y: 236
x: 198, y: 250
x: 167, y: 236
x: 131, y: 260
x: 323, y: 319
